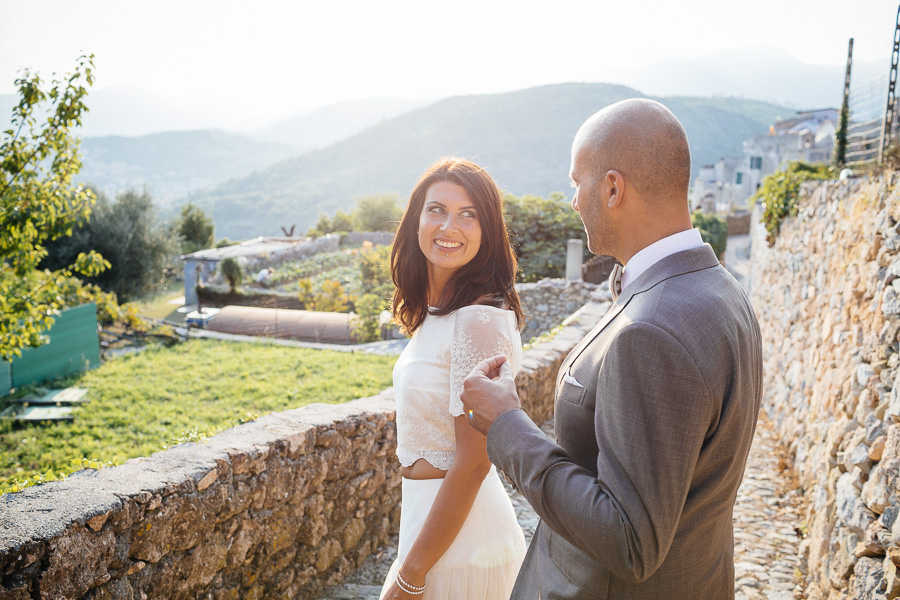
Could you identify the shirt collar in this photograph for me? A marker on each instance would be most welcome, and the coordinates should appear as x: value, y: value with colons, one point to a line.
x: 655, y: 252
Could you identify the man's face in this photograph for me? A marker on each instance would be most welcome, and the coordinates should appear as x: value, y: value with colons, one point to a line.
x: 588, y: 199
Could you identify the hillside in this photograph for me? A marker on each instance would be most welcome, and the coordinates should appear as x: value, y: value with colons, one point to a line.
x: 324, y: 126
x: 175, y: 163
x: 522, y: 137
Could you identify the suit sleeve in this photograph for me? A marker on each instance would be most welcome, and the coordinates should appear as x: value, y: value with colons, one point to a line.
x: 651, y: 416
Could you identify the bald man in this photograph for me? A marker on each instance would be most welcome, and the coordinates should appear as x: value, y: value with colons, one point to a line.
x: 655, y: 407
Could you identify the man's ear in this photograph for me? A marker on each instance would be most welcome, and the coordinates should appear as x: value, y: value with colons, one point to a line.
x: 615, y: 188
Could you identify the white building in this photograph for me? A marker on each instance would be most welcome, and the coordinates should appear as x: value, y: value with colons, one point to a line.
x: 725, y: 186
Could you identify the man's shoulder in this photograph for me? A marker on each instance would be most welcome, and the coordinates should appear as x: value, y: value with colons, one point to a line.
x: 705, y: 299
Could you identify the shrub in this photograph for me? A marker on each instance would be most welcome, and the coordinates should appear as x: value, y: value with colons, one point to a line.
x: 231, y: 271
x: 368, y: 316
x: 375, y: 272
x: 539, y: 228
x: 713, y: 230
x: 332, y: 298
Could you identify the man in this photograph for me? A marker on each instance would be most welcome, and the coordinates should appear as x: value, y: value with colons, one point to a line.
x: 655, y: 407
x: 262, y: 278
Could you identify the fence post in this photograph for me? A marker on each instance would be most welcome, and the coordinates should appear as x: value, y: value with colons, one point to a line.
x: 574, y: 255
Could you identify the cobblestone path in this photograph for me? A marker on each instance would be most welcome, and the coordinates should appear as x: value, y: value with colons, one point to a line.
x: 767, y: 518
x: 767, y: 511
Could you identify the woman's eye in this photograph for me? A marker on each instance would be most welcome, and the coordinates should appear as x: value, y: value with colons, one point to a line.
x: 469, y: 214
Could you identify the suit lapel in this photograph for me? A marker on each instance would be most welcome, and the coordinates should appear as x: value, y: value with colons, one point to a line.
x: 686, y: 261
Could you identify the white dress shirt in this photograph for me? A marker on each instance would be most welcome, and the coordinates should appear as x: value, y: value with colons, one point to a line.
x: 655, y: 252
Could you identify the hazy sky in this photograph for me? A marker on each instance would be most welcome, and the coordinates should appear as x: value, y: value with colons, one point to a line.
x: 278, y: 56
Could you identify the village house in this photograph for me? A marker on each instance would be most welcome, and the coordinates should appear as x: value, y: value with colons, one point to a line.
x: 724, y: 187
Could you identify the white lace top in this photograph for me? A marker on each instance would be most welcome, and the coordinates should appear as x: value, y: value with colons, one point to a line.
x: 429, y: 375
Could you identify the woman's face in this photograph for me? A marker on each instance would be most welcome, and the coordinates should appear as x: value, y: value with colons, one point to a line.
x: 449, y: 231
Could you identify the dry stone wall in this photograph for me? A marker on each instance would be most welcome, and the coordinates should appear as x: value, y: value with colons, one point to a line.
x: 276, y: 508
x: 548, y: 302
x: 827, y: 295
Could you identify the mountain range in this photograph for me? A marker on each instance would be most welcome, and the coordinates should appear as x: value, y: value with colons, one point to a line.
x: 523, y: 138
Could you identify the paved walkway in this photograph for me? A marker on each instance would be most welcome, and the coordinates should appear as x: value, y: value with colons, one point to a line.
x: 767, y: 511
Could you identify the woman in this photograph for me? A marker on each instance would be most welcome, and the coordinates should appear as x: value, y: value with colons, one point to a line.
x: 454, y: 272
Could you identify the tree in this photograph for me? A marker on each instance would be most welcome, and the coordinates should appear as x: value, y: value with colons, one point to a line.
x: 539, y: 229
x: 839, y: 154
x: 232, y: 272
x: 40, y: 203
x: 377, y: 212
x: 342, y: 222
x: 130, y: 235
x: 195, y: 229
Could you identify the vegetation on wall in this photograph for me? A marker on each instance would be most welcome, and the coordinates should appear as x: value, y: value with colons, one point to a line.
x: 839, y: 155
x: 780, y: 193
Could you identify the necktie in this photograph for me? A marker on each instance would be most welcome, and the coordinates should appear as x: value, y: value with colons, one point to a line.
x: 615, y: 281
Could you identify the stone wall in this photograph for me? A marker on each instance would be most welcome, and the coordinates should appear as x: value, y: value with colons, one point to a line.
x: 738, y: 223
x: 305, y: 249
x: 276, y: 508
x: 547, y: 302
x: 828, y: 299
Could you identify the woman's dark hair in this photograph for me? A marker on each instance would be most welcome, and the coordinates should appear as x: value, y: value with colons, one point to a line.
x: 488, y: 278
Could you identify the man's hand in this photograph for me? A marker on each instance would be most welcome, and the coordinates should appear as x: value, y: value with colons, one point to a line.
x: 488, y: 392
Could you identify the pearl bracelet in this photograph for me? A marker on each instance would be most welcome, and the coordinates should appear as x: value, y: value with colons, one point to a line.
x: 408, y: 587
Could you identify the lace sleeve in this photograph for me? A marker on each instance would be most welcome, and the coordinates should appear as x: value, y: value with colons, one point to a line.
x: 479, y: 332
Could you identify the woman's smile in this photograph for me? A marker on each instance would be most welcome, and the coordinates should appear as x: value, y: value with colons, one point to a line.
x: 449, y: 230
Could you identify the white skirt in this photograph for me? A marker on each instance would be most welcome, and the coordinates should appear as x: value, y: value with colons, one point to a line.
x: 483, y: 561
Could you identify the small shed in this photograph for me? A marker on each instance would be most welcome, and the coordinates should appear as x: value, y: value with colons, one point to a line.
x: 74, y: 346
x: 303, y: 325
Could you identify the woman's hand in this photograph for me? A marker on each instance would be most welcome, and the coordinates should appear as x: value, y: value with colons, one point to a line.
x: 395, y: 593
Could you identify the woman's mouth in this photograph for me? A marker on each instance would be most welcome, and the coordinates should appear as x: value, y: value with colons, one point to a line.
x: 447, y: 245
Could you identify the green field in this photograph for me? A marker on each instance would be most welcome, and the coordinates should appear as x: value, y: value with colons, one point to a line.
x: 142, y: 403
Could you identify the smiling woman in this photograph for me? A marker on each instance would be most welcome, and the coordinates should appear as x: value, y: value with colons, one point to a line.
x: 454, y: 270
x: 449, y: 233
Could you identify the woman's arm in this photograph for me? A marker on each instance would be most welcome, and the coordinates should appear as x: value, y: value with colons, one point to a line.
x: 451, y: 505
x: 479, y: 332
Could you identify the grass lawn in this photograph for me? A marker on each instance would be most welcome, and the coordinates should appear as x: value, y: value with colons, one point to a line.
x: 144, y: 402
x: 161, y: 307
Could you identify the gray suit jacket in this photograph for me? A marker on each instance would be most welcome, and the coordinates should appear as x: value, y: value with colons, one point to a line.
x: 636, y: 496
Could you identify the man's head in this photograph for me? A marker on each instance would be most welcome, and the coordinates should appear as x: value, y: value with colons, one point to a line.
x: 631, y: 168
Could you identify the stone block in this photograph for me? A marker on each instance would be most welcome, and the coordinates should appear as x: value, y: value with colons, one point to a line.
x: 868, y: 582
x: 77, y: 561
x: 327, y: 554
x: 877, y: 491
